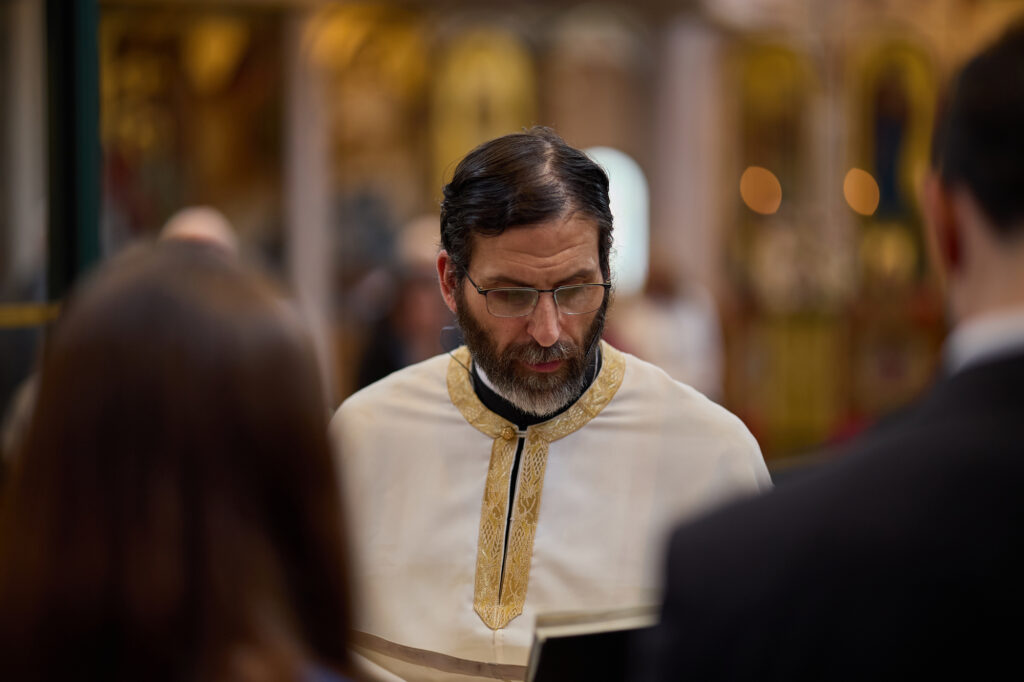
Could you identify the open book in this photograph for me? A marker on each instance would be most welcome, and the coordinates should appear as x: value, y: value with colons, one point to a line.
x: 591, y: 645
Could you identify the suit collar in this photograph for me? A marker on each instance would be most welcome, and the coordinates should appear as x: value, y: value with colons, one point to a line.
x: 984, y: 339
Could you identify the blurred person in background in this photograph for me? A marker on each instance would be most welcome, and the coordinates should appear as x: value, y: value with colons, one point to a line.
x: 411, y: 315
x: 201, y: 224
x: 537, y: 468
x: 172, y: 513
x: 902, y: 560
x: 674, y: 324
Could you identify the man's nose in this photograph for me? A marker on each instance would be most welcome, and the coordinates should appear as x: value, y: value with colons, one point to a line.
x: 544, y: 323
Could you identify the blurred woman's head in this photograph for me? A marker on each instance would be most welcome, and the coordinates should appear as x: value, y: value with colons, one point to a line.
x: 173, y: 511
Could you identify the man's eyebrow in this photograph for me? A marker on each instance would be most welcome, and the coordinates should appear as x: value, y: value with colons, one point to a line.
x: 582, y: 273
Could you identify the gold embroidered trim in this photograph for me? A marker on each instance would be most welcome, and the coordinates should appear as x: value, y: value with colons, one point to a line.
x: 497, y: 603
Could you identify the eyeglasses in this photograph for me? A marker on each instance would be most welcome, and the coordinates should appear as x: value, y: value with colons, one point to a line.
x: 571, y: 299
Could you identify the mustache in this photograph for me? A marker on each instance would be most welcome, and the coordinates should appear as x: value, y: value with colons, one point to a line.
x: 535, y: 354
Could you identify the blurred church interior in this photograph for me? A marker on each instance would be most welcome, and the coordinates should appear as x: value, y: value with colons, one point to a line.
x: 765, y: 158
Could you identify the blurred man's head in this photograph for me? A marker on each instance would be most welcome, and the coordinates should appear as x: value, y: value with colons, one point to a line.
x: 974, y: 200
x: 528, y: 211
x: 201, y: 224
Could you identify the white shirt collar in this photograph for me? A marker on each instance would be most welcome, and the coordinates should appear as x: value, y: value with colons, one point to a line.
x: 484, y: 378
x: 985, y: 338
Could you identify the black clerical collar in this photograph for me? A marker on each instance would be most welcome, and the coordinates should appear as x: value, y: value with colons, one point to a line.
x: 503, y: 408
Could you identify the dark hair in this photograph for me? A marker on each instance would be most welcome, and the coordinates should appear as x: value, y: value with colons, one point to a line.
x: 172, y: 512
x: 979, y: 141
x: 522, y: 179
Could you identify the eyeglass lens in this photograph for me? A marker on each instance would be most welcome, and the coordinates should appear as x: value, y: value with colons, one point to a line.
x: 575, y: 299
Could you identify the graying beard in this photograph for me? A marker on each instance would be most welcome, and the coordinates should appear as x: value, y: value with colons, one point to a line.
x: 537, y: 400
x: 530, y: 394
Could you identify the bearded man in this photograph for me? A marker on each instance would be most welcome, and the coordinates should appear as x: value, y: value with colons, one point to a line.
x: 537, y: 468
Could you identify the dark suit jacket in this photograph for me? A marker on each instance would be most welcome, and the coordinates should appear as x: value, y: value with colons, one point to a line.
x: 901, y: 560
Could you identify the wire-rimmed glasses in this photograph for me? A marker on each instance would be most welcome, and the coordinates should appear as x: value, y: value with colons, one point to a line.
x: 571, y: 299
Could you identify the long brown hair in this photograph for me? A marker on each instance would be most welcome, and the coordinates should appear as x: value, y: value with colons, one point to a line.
x: 173, y: 512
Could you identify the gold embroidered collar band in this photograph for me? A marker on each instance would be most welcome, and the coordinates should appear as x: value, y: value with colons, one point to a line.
x: 497, y: 601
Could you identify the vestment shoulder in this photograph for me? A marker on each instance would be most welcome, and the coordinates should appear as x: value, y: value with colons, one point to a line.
x: 655, y: 384
x: 686, y: 415
x: 421, y: 384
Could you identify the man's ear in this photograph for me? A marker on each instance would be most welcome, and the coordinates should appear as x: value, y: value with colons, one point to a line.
x: 942, y: 227
x: 446, y: 276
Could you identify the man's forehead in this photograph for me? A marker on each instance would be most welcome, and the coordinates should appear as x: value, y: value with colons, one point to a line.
x: 539, y: 255
x: 565, y: 245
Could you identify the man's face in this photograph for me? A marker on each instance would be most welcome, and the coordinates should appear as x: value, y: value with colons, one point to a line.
x: 538, y: 362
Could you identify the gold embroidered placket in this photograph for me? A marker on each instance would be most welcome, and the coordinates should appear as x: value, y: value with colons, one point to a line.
x: 494, y: 602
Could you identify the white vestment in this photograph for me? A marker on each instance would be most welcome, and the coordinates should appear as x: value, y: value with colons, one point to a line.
x: 426, y: 469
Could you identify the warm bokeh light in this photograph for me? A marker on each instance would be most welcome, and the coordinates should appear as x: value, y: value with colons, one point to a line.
x: 861, y: 191
x: 760, y: 190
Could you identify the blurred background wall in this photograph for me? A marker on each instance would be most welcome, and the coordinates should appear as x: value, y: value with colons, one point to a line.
x: 765, y: 159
